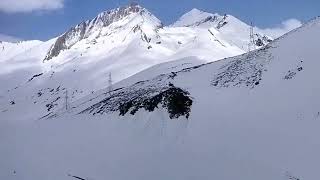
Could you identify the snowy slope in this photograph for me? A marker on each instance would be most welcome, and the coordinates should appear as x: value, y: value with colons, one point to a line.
x: 254, y: 116
x: 122, y: 41
x: 10, y: 49
x: 232, y: 29
x: 196, y: 17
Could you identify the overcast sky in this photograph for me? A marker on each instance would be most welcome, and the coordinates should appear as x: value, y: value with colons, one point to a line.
x: 45, y: 19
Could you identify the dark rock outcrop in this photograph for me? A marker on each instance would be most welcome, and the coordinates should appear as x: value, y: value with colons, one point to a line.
x: 130, y: 100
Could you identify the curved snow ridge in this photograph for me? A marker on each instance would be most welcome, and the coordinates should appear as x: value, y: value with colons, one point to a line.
x: 8, y: 49
x: 309, y: 24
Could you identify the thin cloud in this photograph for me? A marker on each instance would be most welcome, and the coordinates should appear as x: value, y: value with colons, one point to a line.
x: 17, y: 6
x: 283, y: 28
x: 7, y: 38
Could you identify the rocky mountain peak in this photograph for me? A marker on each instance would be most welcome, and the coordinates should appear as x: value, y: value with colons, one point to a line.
x: 110, y: 16
x: 104, y: 19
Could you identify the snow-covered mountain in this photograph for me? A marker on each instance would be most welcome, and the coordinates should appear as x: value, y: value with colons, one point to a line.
x: 253, y: 116
x: 232, y: 29
x: 120, y: 21
x: 172, y: 112
x: 122, y: 41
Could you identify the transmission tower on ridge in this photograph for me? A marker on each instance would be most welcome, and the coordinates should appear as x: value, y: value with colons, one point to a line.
x: 110, y: 84
x: 66, y: 99
x: 252, y: 43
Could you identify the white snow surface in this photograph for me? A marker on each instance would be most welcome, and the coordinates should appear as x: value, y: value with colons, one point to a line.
x: 227, y: 26
x: 254, y: 116
x: 192, y: 17
x: 9, y: 50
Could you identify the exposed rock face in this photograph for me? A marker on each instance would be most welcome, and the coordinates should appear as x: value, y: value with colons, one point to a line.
x: 207, y: 19
x: 246, y: 71
x: 222, y: 22
x: 174, y: 99
x: 261, y: 41
x: 85, y: 29
x: 148, y: 96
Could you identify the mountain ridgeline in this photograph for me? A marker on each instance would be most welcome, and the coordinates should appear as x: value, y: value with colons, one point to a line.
x: 198, y: 19
x: 87, y: 28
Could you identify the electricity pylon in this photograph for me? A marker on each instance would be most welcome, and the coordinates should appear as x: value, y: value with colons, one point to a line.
x: 252, y: 43
x: 110, y: 84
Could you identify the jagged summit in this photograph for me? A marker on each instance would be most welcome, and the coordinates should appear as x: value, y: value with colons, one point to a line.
x: 102, y: 20
x: 110, y: 16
